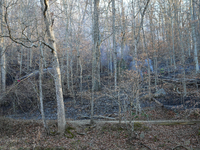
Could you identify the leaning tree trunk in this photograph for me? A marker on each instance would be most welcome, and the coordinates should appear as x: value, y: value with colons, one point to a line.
x: 56, y: 67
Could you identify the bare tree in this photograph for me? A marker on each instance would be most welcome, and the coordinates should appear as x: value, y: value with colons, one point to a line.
x: 40, y: 88
x: 57, y: 75
x: 95, y: 82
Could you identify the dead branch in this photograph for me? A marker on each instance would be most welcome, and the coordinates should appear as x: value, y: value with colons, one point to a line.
x: 179, y: 146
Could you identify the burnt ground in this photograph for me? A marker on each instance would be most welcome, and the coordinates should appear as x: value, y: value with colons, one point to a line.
x: 25, y: 130
x: 104, y: 106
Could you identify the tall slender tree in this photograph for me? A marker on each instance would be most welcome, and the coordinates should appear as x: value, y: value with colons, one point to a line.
x: 57, y: 75
x: 114, y: 43
x: 3, y: 47
x: 95, y: 55
x: 193, y: 22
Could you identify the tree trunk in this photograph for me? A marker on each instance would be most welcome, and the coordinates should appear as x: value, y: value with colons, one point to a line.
x: 149, y: 75
x: 94, y: 54
x: 173, y: 49
x: 152, y: 30
x: 182, y: 51
x: 40, y: 89
x: 134, y: 33
x: 96, y: 50
x: 65, y: 2
x: 56, y: 67
x: 114, y: 43
x: 3, y: 54
x: 72, y: 74
x: 193, y: 16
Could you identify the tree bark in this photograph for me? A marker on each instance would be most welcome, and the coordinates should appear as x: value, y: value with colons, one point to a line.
x: 56, y: 67
x: 182, y: 51
x: 96, y: 50
x: 67, y: 14
x: 149, y: 75
x: 193, y: 16
x: 40, y: 89
x: 3, y: 55
x: 114, y: 43
x: 152, y: 29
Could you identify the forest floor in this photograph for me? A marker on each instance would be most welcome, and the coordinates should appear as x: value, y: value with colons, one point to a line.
x: 30, y: 134
x: 24, y: 130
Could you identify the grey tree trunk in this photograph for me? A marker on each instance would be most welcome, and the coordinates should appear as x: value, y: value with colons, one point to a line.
x: 18, y: 54
x: 123, y: 32
x: 21, y: 47
x: 3, y: 66
x: 94, y: 54
x: 72, y: 74
x: 123, y: 29
x: 67, y: 14
x: 135, y: 37
x: 114, y: 43
x: 96, y: 61
x: 56, y: 67
x: 188, y: 29
x: 21, y: 60
x: 78, y: 47
x: 182, y: 50
x: 152, y: 30
x: 173, y: 44
x: 193, y: 17
x: 40, y: 89
x: 149, y: 75
x: 3, y: 55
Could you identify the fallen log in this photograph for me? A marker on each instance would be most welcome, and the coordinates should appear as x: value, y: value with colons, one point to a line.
x: 87, y: 122
x: 180, y: 80
x: 159, y: 122
x: 97, y: 117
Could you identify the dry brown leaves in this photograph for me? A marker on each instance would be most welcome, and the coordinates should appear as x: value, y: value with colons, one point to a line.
x: 31, y: 135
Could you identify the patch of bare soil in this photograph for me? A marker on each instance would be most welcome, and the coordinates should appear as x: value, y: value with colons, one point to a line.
x: 18, y: 134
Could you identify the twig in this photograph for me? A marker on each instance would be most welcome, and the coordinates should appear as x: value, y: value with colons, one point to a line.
x: 180, y: 147
x: 159, y: 103
x: 145, y: 145
x: 81, y: 133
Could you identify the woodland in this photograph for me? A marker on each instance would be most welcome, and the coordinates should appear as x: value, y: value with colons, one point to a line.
x: 100, y: 74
